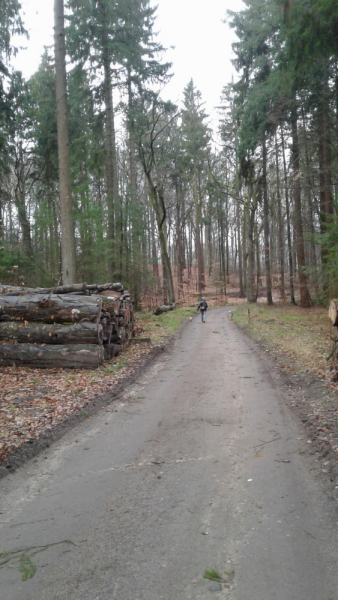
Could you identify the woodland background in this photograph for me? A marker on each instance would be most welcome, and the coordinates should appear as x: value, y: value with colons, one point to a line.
x: 158, y: 199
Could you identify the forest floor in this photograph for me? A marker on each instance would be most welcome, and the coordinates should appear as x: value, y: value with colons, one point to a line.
x: 300, y: 340
x: 34, y: 402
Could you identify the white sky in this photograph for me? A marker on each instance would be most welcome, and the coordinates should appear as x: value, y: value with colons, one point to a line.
x: 202, y: 43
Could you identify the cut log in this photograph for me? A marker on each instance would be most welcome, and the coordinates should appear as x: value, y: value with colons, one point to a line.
x: 31, y: 333
x: 110, y: 294
x: 111, y: 350
x: 333, y: 312
x: 50, y: 309
x: 75, y: 356
x: 115, y: 338
x: 115, y: 287
x: 76, y: 288
x: 110, y: 303
x: 58, y: 289
x: 107, y: 327
x: 159, y: 310
x: 139, y: 341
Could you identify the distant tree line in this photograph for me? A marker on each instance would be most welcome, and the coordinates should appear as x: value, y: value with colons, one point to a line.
x: 154, y: 195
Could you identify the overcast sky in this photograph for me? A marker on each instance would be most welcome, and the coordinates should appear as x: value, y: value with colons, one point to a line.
x: 202, y: 42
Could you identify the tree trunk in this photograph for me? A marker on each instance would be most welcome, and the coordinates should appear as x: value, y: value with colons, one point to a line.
x: 135, y: 213
x: 199, y: 249
x: 280, y: 229
x: 157, y: 201
x: 266, y: 225
x: 156, y: 271
x: 78, y: 288
x: 325, y: 183
x: 36, y: 333
x: 180, y: 262
x: 66, y: 209
x: 305, y: 300
x: 288, y: 224
x: 78, y: 356
x: 239, y: 242
x: 252, y: 206
x: 110, y: 143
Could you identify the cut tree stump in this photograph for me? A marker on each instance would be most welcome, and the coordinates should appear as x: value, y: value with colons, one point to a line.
x: 41, y: 333
x: 74, y: 356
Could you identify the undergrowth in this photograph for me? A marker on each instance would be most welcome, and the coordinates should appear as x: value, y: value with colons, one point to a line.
x: 302, y: 334
x: 159, y: 328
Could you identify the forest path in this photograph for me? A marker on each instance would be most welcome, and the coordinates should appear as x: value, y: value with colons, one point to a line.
x: 200, y: 467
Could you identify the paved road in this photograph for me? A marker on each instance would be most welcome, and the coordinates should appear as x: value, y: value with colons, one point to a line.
x: 199, y: 466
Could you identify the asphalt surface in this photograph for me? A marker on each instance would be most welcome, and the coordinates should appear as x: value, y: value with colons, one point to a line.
x: 200, y: 465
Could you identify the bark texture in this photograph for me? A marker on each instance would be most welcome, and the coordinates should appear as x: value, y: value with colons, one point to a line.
x: 66, y: 209
x: 305, y: 300
x: 75, y: 356
x: 50, y: 309
x: 32, y: 333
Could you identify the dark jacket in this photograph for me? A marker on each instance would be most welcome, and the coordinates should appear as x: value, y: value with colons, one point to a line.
x: 203, y: 305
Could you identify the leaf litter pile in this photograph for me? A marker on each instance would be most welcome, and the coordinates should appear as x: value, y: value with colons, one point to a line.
x: 34, y: 401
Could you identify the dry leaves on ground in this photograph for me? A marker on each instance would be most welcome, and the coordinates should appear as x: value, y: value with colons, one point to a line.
x: 33, y: 401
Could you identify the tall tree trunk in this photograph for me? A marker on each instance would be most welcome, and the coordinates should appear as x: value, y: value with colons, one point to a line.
x: 244, y: 245
x: 324, y: 159
x: 266, y: 225
x: 66, y: 208
x: 252, y: 205
x: 258, y: 259
x: 288, y: 224
x: 156, y: 272
x: 199, y: 249
x: 309, y: 194
x: 239, y: 245
x: 305, y: 300
x: 157, y: 200
x: 110, y: 142
x: 280, y: 228
x: 136, y: 230
x: 180, y: 263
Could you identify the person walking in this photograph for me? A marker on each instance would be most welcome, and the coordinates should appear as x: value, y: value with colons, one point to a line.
x: 203, y: 307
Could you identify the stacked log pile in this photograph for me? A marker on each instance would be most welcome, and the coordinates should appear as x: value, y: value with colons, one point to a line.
x: 67, y: 326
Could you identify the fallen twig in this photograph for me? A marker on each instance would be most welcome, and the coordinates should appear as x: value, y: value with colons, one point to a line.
x: 269, y: 442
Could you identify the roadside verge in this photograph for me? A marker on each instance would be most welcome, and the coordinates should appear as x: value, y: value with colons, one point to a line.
x: 297, y: 342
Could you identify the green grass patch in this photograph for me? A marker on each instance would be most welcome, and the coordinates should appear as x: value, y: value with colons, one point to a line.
x: 302, y: 334
x: 159, y: 328
x: 26, y: 567
x: 118, y: 363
